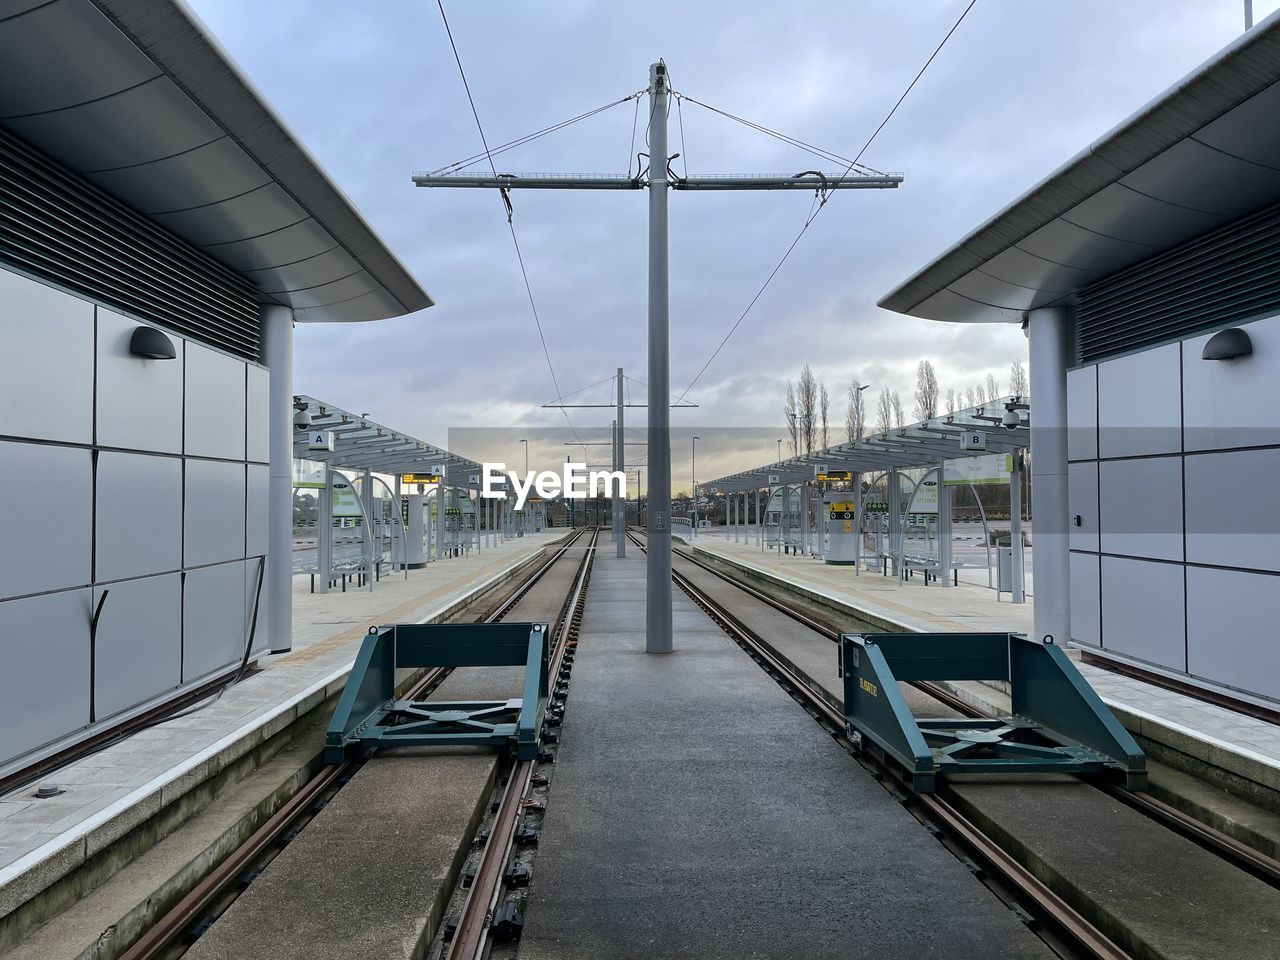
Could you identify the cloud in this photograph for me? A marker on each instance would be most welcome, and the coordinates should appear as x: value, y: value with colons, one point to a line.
x: 373, y: 92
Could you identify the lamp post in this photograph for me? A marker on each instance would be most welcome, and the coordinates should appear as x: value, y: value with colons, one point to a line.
x: 526, y: 474
x: 779, y: 449
x: 693, y: 476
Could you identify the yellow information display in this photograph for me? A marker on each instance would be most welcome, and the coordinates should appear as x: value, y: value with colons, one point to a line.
x: 845, y: 511
x: 418, y: 478
x: 836, y: 476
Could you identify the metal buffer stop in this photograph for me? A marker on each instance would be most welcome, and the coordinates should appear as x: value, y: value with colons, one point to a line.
x: 1058, y: 723
x: 369, y: 715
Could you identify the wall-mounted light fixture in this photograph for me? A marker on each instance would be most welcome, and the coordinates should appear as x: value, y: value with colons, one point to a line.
x: 150, y: 344
x: 1229, y: 344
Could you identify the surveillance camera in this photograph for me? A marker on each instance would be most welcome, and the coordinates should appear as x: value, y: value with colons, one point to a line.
x: 1011, y: 420
x: 301, y: 420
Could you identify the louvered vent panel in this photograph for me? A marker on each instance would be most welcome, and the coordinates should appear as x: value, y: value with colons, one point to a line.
x: 56, y: 225
x: 1227, y: 275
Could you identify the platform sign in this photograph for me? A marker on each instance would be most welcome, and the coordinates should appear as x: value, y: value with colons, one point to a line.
x: 320, y: 440
x: 993, y: 468
x: 835, y: 476
x: 419, y: 478
x: 308, y: 473
x: 345, y: 501
x: 925, y: 499
x: 973, y: 440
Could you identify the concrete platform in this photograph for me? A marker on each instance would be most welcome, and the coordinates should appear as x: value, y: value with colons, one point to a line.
x: 697, y: 811
x: 109, y: 793
x: 1191, y: 732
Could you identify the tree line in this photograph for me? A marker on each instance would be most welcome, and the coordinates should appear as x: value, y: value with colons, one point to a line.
x: 807, y: 404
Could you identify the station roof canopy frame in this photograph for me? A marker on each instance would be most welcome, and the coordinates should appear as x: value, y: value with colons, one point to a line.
x: 1202, y: 154
x: 138, y: 99
x: 359, y: 443
x: 922, y: 444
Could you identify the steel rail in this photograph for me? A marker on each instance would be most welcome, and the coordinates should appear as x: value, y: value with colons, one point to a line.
x: 1030, y: 888
x: 182, y: 915
x: 471, y: 940
x: 1239, y: 854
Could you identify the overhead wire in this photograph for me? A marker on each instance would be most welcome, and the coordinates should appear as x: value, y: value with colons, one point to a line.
x: 821, y: 206
x: 515, y: 240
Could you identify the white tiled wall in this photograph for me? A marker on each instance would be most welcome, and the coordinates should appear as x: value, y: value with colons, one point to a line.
x: 1177, y: 558
x: 155, y: 504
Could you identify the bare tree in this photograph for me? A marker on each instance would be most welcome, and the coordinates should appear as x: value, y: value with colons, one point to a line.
x: 926, y: 391
x: 973, y: 397
x: 884, y: 410
x: 789, y: 410
x: 855, y: 414
x: 1018, y: 385
x: 953, y: 402
x: 807, y: 408
x: 898, y: 418
x: 993, y: 387
x: 824, y: 403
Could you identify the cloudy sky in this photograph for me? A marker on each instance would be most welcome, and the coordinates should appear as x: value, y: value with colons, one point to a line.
x: 372, y: 90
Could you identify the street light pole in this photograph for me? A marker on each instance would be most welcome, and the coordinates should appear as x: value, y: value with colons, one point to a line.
x: 779, y: 449
x: 526, y: 477
x: 693, y: 477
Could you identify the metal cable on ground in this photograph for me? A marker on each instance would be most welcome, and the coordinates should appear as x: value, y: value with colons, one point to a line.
x: 814, y: 215
x: 506, y: 202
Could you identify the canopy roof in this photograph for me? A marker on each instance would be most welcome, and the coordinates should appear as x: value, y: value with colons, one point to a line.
x: 359, y: 443
x: 923, y: 444
x: 1200, y: 155
x: 137, y: 98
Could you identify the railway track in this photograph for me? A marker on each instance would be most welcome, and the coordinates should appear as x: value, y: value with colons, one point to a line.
x: 172, y: 933
x: 1016, y: 884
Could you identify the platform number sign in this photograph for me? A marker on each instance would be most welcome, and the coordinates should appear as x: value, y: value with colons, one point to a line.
x: 973, y: 440
x: 320, y: 440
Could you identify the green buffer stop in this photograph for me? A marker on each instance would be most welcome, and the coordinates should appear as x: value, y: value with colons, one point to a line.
x: 1058, y: 723
x: 369, y: 716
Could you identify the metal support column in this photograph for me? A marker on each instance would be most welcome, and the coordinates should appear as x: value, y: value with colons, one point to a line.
x: 620, y: 464
x: 895, y: 519
x: 1019, y: 588
x: 370, y: 526
x: 277, y: 352
x: 1049, y: 330
x: 658, y: 637
x: 324, y: 532
x: 441, y: 497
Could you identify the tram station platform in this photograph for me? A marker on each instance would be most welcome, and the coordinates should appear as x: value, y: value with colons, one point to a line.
x: 108, y: 793
x: 696, y: 810
x: 1182, y: 728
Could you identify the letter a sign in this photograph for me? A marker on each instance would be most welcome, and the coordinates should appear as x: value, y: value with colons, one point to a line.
x: 320, y: 440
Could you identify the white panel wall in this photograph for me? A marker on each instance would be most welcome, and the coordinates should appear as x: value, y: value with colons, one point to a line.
x: 138, y: 644
x: 170, y: 442
x: 1231, y: 626
x: 214, y: 516
x: 1082, y: 502
x: 1233, y: 403
x: 1141, y: 514
x: 44, y: 687
x: 1082, y: 414
x: 47, y: 524
x: 46, y: 362
x: 1086, y: 599
x: 215, y: 404
x: 256, y: 407
x: 139, y: 516
x: 1181, y: 437
x: 139, y: 401
x: 214, y: 619
x: 1143, y: 610
x: 1139, y: 403
x: 1233, y: 512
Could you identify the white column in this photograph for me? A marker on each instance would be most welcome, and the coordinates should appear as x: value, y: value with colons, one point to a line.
x: 1049, y: 329
x: 277, y: 353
